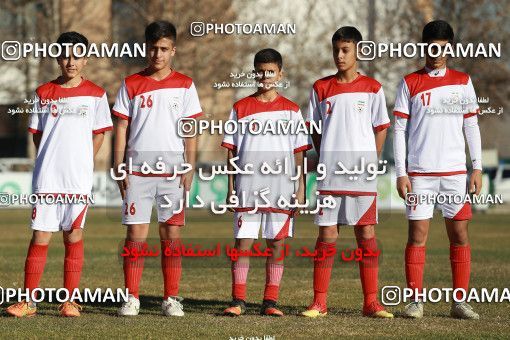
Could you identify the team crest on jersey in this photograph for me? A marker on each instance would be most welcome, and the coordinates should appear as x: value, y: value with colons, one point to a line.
x: 174, y: 104
x: 360, y: 105
x: 54, y: 110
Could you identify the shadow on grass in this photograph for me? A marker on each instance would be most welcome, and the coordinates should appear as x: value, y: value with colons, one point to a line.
x: 151, y: 305
x: 443, y: 315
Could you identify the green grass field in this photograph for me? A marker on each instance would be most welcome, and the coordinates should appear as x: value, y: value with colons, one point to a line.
x: 206, y: 285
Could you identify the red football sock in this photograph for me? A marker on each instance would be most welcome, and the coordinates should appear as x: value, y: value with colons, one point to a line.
x: 171, y: 267
x: 460, y: 259
x: 34, y: 265
x: 415, y: 263
x: 322, y: 272
x: 133, y: 267
x: 274, y: 272
x: 239, y: 277
x: 73, y: 264
x: 368, y: 271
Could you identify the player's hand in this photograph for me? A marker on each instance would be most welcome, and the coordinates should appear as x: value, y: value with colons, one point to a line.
x: 186, y: 181
x: 403, y: 186
x: 299, y: 199
x: 123, y: 185
x: 475, y: 182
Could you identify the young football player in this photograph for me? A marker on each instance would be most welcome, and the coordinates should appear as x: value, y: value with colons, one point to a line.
x: 266, y: 106
x: 72, y: 115
x: 354, y: 118
x: 436, y: 161
x: 149, y: 105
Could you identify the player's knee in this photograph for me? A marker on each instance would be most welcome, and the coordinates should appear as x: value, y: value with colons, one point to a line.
x: 328, y: 234
x: 460, y: 239
x: 364, y: 232
x: 169, y: 232
x: 73, y: 235
x: 275, y: 245
x: 417, y: 237
x: 244, y: 243
x: 41, y: 237
x: 137, y: 232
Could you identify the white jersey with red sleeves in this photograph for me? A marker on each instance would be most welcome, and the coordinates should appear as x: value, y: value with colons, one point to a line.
x: 153, y: 108
x: 436, y: 104
x: 67, y: 118
x: 350, y: 113
x: 271, y: 148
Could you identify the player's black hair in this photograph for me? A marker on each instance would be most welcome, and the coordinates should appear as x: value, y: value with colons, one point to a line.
x: 160, y: 29
x: 347, y: 33
x: 72, y: 38
x: 437, y: 30
x: 268, y: 55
